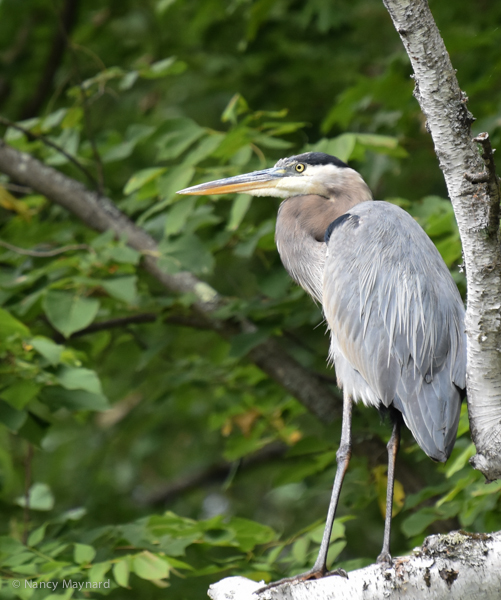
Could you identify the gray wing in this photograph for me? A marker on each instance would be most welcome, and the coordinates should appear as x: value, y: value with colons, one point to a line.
x: 396, y: 321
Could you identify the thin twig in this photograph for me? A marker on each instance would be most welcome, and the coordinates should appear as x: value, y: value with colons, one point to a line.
x: 20, y: 189
x: 182, y: 320
x: 87, y: 122
x: 90, y: 135
x: 114, y: 323
x: 67, y: 19
x: 44, y: 253
x: 35, y: 136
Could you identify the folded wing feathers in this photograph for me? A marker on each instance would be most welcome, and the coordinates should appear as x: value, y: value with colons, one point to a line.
x: 396, y: 316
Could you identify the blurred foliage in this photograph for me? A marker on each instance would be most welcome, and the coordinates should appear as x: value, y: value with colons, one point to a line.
x: 102, y: 428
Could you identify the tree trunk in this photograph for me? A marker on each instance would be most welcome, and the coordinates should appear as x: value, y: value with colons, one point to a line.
x: 474, y: 192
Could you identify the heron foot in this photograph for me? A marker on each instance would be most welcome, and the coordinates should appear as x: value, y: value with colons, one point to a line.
x: 308, y: 576
x: 385, y: 559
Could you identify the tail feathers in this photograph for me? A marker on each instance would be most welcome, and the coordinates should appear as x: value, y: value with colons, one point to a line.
x: 431, y: 411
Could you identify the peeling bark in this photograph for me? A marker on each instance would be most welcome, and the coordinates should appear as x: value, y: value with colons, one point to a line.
x: 474, y: 192
x: 457, y: 566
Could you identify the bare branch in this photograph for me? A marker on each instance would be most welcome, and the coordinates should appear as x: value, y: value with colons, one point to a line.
x: 119, y: 322
x: 44, y: 253
x: 216, y: 473
x: 456, y: 566
x: 99, y: 213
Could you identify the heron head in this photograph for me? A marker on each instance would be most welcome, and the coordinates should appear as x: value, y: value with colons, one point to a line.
x: 311, y: 173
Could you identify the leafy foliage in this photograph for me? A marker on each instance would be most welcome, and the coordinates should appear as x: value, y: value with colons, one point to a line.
x: 114, y: 396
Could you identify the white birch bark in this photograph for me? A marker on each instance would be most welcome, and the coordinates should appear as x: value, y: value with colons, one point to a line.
x: 456, y: 566
x: 474, y: 192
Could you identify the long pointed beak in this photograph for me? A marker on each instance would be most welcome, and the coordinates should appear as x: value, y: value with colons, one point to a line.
x: 250, y: 182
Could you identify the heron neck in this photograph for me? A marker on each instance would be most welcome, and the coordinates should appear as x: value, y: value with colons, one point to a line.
x: 301, y: 225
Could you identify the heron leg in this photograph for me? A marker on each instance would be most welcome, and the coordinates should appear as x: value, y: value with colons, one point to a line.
x: 343, y: 456
x: 393, y: 446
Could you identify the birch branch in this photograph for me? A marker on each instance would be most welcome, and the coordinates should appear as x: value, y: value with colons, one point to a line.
x: 474, y: 192
x: 456, y: 566
x: 101, y: 214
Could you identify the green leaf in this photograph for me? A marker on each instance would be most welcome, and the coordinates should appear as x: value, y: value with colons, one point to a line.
x: 341, y: 146
x: 450, y: 249
x: 419, y: 521
x: 16, y: 560
x: 300, y: 549
x: 37, y: 535
x: 98, y: 571
x: 338, y: 531
x: 249, y: 533
x: 33, y: 429
x: 149, y: 566
x: 178, y: 178
x: 236, y: 106
x: 124, y: 255
x: 83, y: 553
x: 56, y: 397
x: 121, y: 288
x: 9, y: 545
x: 78, y: 378
x: 178, y: 215
x: 48, y: 349
x: 20, y: 393
x: 271, y: 142
x: 121, y: 572
x: 68, y: 313
x: 243, y: 343
x: 163, y: 67
x: 12, y: 418
x: 204, y: 148
x: 40, y: 498
x: 335, y: 550
x: 276, y: 285
x: 181, y: 134
x: 460, y: 460
x: 10, y: 326
x: 238, y: 210
x: 118, y: 152
x: 135, y: 133
x: 129, y: 80
x: 53, y: 120
x: 190, y: 253
x: 141, y: 178
x: 382, y: 144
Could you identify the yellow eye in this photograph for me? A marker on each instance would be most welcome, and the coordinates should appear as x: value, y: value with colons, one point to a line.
x: 300, y: 167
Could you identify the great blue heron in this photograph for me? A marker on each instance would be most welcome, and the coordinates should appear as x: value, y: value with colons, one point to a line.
x: 395, y: 316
